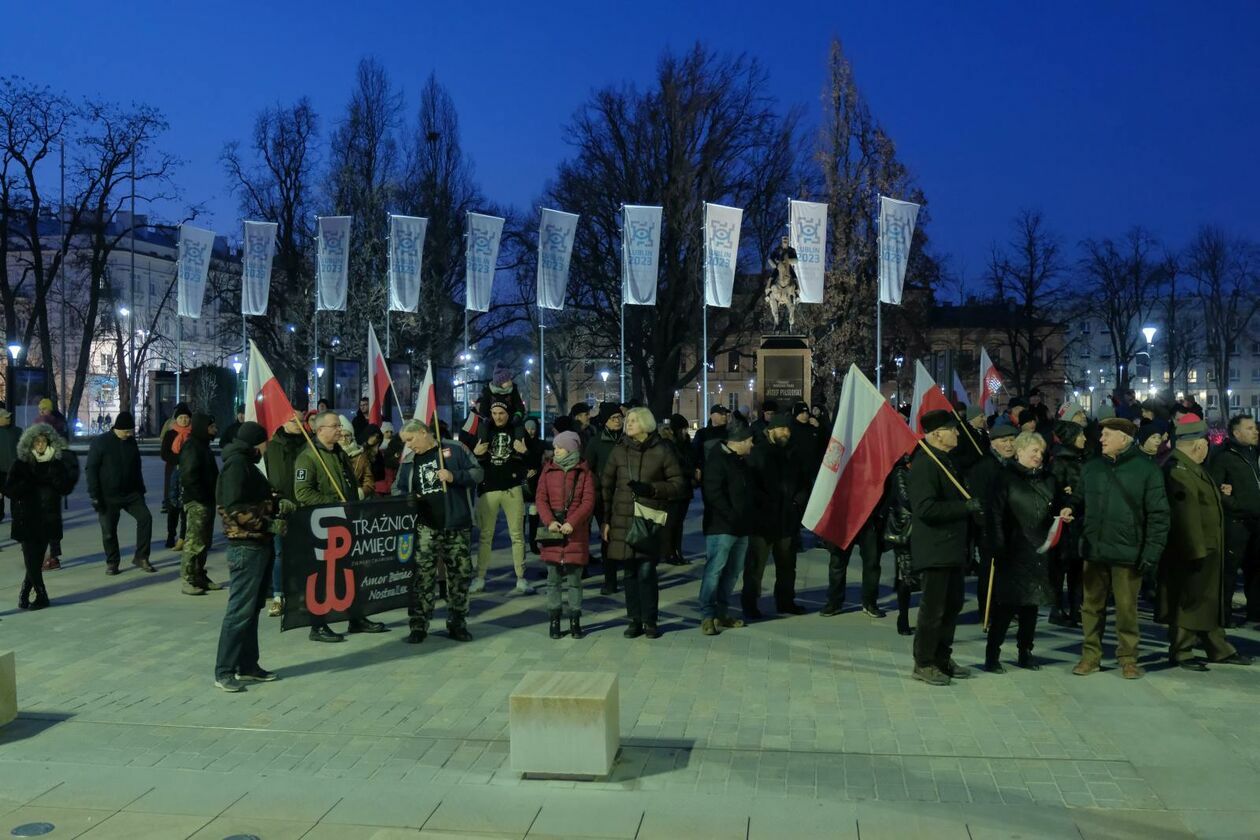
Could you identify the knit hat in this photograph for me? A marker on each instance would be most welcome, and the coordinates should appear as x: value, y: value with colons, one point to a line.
x: 499, y: 403
x: 779, y: 421
x: 678, y: 423
x: 387, y: 426
x: 579, y: 408
x: 936, y: 419
x: 501, y: 376
x: 125, y: 422
x: 770, y: 405
x: 251, y: 434
x: 1190, y: 427
x: 1003, y: 430
x: 1070, y: 410
x: 719, y: 409
x: 1120, y: 424
x: 568, y: 441
x: 737, y: 432
x: 182, y: 409
x: 1149, y: 429
x: 799, y: 406
x: 563, y: 423
x: 45, y: 405
x: 1066, y: 432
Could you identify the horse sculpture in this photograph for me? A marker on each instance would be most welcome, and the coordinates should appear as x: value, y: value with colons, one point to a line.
x: 781, y: 287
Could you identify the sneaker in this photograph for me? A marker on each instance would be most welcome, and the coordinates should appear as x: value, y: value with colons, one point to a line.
x: 478, y: 585
x: 873, y: 610
x: 207, y: 584
x: 1132, y: 671
x: 111, y: 570
x: 276, y: 609
x: 829, y: 610
x: 707, y: 627
x: 954, y: 671
x: 143, y: 565
x: 52, y: 564
x: 229, y: 684
x: 257, y: 675
x: 1084, y: 668
x: 415, y: 637
x: 523, y: 587
x: 930, y: 675
x: 729, y: 623
x: 191, y: 589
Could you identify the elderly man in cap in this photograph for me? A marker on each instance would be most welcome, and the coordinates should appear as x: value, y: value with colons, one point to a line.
x: 1237, y: 464
x: 115, y: 484
x: 1126, y: 529
x: 1192, y: 600
x: 981, y: 479
x: 731, y: 504
x: 939, y: 547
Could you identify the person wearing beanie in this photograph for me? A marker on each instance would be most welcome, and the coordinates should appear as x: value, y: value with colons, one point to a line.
x: 280, y: 458
x: 229, y: 434
x: 970, y: 449
x: 981, y: 478
x: 1067, y: 458
x: 252, y: 517
x: 501, y: 388
x: 783, y: 487
x: 502, y: 459
x: 1126, y: 529
x: 10, y: 433
x: 45, y: 473
x: 173, y: 440
x: 115, y: 484
x: 1237, y: 463
x: 198, y: 473
x: 581, y: 415
x: 50, y: 415
x: 731, y: 505
x: 678, y: 433
x: 566, y: 503
x: 597, y: 454
x: 1192, y: 599
x: 1151, y: 437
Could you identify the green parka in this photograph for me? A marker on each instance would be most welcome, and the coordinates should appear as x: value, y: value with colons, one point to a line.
x: 1126, y: 510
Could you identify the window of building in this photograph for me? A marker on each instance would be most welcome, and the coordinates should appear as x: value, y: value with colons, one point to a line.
x: 1255, y: 401
x: 1233, y: 374
x: 732, y: 400
x: 732, y: 361
x: 1211, y: 400
x: 1192, y: 377
x: 1085, y: 328
x: 1255, y: 348
x: 1211, y: 374
x: 1255, y: 374
x: 1235, y: 400
x: 588, y: 367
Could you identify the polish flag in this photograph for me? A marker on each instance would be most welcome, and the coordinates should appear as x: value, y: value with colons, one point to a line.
x: 927, y: 397
x: 379, y: 383
x: 426, y: 400
x: 1053, y: 536
x: 990, y: 383
x: 265, y: 401
x: 868, y: 438
x: 960, y: 393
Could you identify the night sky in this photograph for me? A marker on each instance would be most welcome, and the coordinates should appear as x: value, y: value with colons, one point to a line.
x: 1102, y: 115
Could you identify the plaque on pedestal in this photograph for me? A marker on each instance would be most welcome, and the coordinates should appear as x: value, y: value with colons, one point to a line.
x: 784, y: 365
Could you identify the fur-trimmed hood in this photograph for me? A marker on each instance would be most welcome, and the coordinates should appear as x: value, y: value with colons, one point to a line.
x: 26, y: 443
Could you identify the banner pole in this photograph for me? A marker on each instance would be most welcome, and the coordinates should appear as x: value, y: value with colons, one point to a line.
x: 622, y: 346
x: 879, y: 331
x: 315, y: 319
x: 542, y: 375
x: 437, y: 433
x: 704, y: 318
x: 388, y: 284
x: 179, y: 353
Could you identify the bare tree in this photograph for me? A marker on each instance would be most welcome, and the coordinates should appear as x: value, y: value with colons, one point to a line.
x: 1225, y: 271
x: 1124, y: 280
x: 1183, y: 335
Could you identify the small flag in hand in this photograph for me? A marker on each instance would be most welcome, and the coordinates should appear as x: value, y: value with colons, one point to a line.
x: 1056, y: 534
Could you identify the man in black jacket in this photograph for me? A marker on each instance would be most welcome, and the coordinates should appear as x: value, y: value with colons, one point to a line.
x: 280, y: 458
x: 939, y: 547
x: 1235, y: 464
x: 116, y: 484
x: 981, y: 478
x: 708, y: 437
x: 730, y: 506
x: 229, y: 434
x: 198, y: 473
x: 784, y: 492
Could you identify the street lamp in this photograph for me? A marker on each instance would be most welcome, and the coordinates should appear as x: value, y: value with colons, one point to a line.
x: 899, y: 360
x: 15, y: 350
x: 603, y: 374
x: 1149, y: 332
x: 236, y: 366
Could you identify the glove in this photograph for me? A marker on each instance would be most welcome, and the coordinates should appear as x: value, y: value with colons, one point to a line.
x: 287, y: 507
x: 975, y: 506
x: 642, y: 488
x: 278, y: 526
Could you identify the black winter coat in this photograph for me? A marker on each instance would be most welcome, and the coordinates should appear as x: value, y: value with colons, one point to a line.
x: 9, y: 436
x: 246, y: 499
x: 1236, y: 465
x: 783, y: 488
x: 114, y: 475
x: 731, y: 501
x: 597, y: 453
x: 981, y: 479
x: 36, y: 488
x: 940, y: 521
x: 897, y: 516
x: 198, y: 470
x: 1018, y: 512
x: 282, y: 452
x: 1065, y: 468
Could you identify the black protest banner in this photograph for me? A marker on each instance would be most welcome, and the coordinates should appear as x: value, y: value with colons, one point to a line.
x: 347, y: 559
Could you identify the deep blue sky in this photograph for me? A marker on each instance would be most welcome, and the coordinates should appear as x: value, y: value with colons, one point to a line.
x: 1102, y: 115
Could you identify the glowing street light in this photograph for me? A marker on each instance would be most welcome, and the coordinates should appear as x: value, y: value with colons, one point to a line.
x: 15, y: 350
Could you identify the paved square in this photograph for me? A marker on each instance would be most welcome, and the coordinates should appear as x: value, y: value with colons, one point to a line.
x: 797, y: 727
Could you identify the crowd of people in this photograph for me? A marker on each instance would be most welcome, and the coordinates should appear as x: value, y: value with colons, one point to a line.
x: 1047, y: 510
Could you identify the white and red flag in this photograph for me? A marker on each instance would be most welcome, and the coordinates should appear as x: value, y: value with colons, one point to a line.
x: 1053, y: 536
x: 868, y: 438
x: 265, y: 401
x: 990, y: 383
x: 379, y: 383
x: 928, y: 396
x: 960, y: 393
x: 426, y: 400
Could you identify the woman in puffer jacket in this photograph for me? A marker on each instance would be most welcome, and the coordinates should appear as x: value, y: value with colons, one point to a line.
x: 46, y: 470
x: 566, y: 503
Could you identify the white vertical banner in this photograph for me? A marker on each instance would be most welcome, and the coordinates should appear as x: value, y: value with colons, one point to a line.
x: 195, y: 247
x: 556, y: 230
x: 721, y: 252
x: 896, y: 229
x: 641, y: 253
x: 482, y: 253
x: 406, y: 253
x: 260, y: 251
x: 333, y: 264
x: 808, y: 237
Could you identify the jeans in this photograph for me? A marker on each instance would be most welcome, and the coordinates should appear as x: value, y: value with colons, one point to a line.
x: 643, y: 593
x: 512, y: 502
x: 723, y: 565
x: 569, y: 576
x: 939, y: 606
x: 249, y: 565
x: 108, y: 518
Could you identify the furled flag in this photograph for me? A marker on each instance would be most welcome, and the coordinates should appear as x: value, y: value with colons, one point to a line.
x: 868, y: 438
x: 265, y: 401
x: 721, y: 252
x: 195, y: 247
x: 896, y: 229
x: 482, y: 254
x: 960, y: 393
x: 256, y: 259
x: 426, y: 400
x: 990, y: 383
x: 379, y: 382
x: 332, y: 263
x: 927, y: 397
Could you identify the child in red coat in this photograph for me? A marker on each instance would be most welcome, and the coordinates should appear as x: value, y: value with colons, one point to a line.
x: 566, y: 503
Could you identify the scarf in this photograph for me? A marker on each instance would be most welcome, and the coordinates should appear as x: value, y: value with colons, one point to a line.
x: 48, y: 455
x: 181, y: 435
x: 568, y: 462
x: 502, y: 389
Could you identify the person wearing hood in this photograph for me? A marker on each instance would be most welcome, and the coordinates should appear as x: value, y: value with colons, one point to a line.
x: 502, y: 389
x: 115, y: 483
x: 280, y: 457
x: 10, y: 433
x: 535, y: 450
x: 731, y: 504
x: 44, y: 473
x: 597, y: 454
x: 502, y: 458
x: 1237, y: 464
x: 360, y: 465
x: 198, y: 473
x: 229, y: 434
x: 769, y: 408
x: 173, y: 440
x: 252, y: 516
x: 566, y: 502
x: 643, y: 470
x: 1020, y: 509
x: 784, y: 488
x: 361, y: 419
x: 1066, y: 562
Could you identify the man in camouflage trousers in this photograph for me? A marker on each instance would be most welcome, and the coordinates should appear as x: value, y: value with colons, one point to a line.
x: 198, y: 474
x: 440, y: 476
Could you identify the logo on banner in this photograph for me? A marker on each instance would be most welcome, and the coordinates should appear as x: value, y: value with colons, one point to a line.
x: 641, y: 233
x: 337, y: 545
x: 406, y: 545
x: 334, y: 242
x: 406, y: 253
x: 720, y: 233
x: 895, y: 236
x: 192, y: 256
x: 807, y: 231
x: 483, y: 241
x: 258, y: 248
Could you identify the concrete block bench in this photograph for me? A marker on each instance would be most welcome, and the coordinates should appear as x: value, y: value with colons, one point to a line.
x: 564, y: 724
x: 8, y: 687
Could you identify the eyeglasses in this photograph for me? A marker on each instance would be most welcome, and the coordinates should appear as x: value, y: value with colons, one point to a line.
x: 333, y: 426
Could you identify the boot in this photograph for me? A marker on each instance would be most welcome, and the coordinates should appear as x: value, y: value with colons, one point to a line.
x: 993, y: 660
x: 555, y: 624
x: 41, y: 597
x: 24, y: 597
x: 1059, y: 618
x: 1026, y: 660
x: 903, y: 625
x: 1075, y: 616
x: 575, y: 626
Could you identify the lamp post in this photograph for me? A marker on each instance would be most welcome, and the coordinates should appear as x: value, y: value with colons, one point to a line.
x: 603, y: 374
x: 236, y: 366
x: 898, y: 360
x: 1149, y: 332
x: 15, y: 350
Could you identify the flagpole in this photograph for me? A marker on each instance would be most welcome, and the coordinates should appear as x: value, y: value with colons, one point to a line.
x: 465, y: 356
x: 879, y: 325
x: 622, y: 358
x: 704, y: 315
x: 179, y: 318
x: 542, y: 375
x: 315, y: 318
x: 179, y: 352
x: 388, y: 284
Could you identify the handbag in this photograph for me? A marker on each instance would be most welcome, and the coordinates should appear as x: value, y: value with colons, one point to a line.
x: 546, y: 536
x: 647, y: 527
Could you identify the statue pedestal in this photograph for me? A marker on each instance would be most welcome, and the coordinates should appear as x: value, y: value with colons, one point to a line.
x: 784, y: 370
